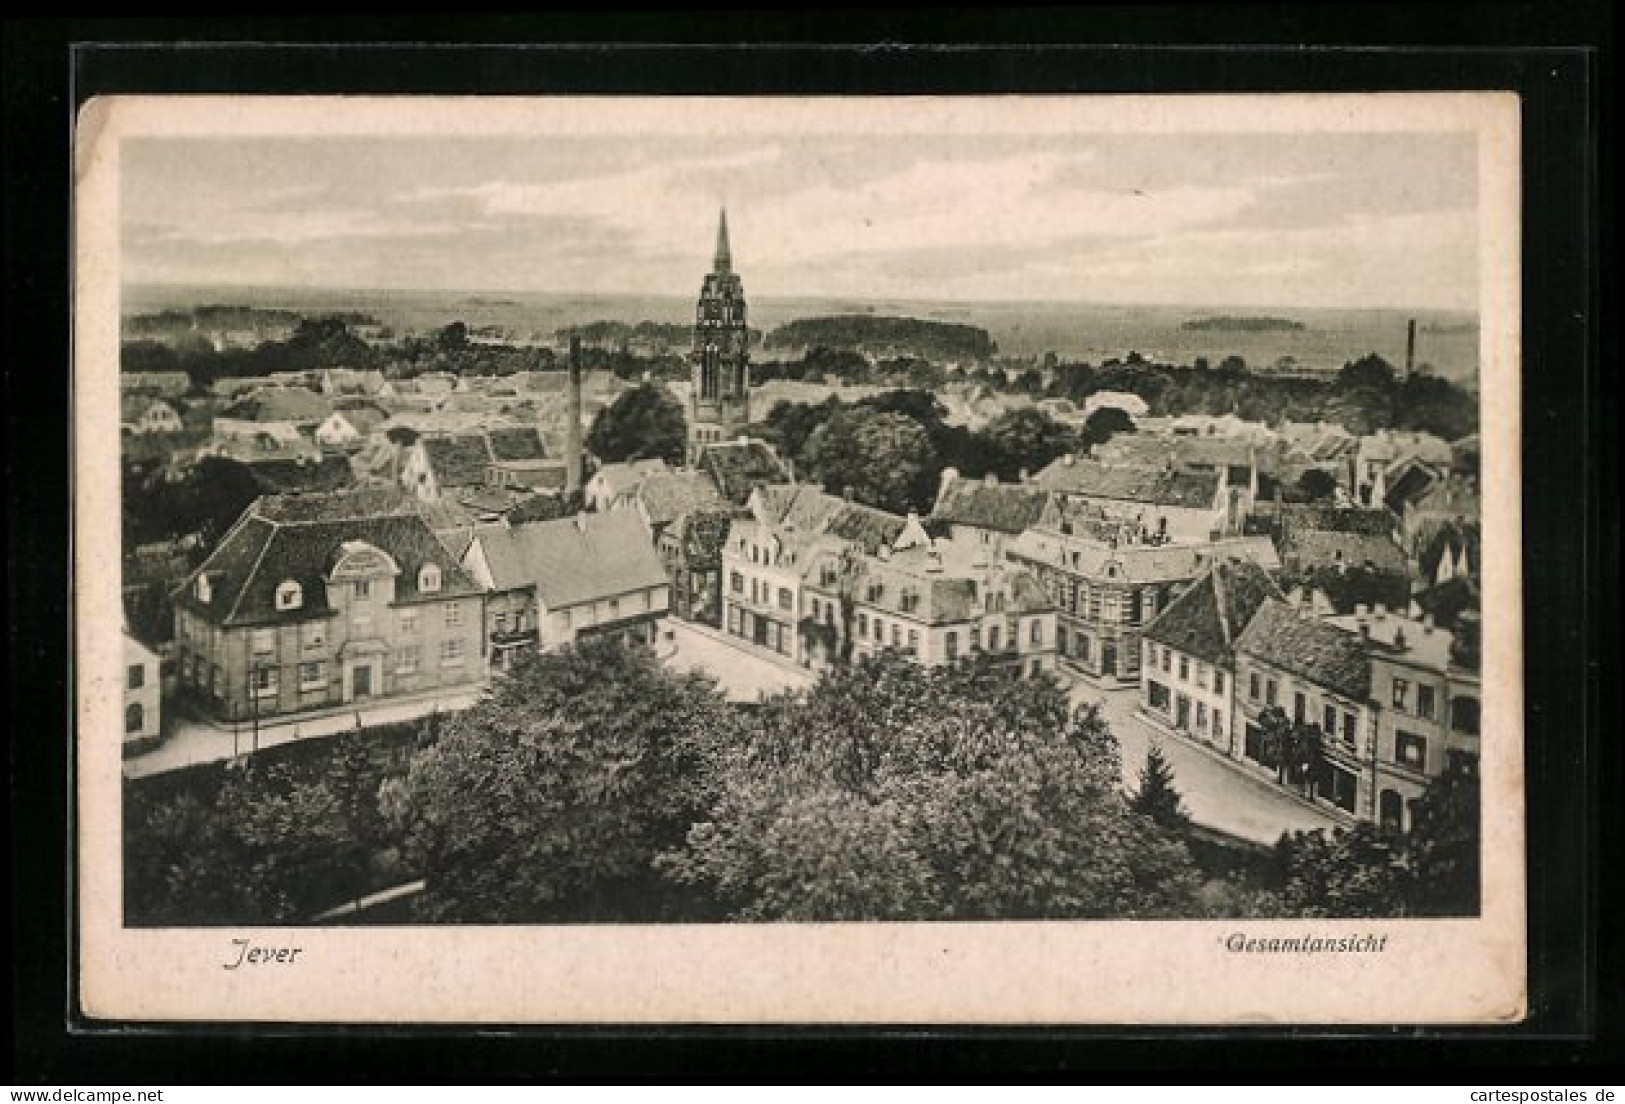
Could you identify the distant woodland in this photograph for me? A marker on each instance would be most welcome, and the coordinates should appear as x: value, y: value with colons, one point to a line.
x: 933, y: 340
x: 1224, y: 323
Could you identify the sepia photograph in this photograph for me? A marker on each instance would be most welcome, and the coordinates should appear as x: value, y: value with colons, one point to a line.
x: 832, y: 559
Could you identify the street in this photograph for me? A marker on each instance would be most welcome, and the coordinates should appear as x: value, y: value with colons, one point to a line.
x: 744, y: 675
x: 1218, y: 793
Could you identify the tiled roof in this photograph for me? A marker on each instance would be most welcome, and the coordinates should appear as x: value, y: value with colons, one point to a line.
x: 617, y: 479
x: 739, y: 467
x: 1152, y: 485
x: 1208, y: 616
x: 1336, y: 519
x: 1450, y: 539
x: 1308, y: 647
x: 1318, y: 548
x: 517, y: 443
x: 537, y: 507
x: 281, y: 404
x: 575, y: 559
x: 666, y: 497
x: 1137, y: 563
x: 908, y: 588
x: 457, y: 461
x: 328, y: 473
x: 1002, y: 507
x: 297, y: 537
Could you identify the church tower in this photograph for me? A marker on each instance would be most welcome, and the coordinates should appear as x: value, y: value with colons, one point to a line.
x: 719, y: 402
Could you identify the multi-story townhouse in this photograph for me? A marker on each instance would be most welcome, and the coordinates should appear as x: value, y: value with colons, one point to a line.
x: 1174, y: 503
x: 1426, y: 703
x: 937, y: 603
x: 769, y: 551
x: 1187, y: 678
x: 314, y: 601
x: 1109, y: 580
x: 1317, y: 674
x: 556, y: 581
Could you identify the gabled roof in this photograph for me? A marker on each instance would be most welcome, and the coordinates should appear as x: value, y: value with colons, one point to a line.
x: 1308, y: 647
x: 739, y: 467
x: 1374, y: 521
x: 1208, y: 616
x: 668, y: 496
x: 1136, y: 563
x: 574, y: 559
x: 1001, y: 507
x: 297, y: 537
x: 517, y: 443
x: 619, y: 478
x: 457, y: 461
x: 1317, y: 548
x: 1157, y: 486
x: 906, y: 584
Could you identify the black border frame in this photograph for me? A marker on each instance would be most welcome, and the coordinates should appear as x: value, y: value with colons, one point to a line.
x: 1571, y: 541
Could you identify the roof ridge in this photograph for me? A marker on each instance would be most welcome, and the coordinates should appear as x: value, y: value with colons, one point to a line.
x: 1219, y: 604
x: 252, y: 572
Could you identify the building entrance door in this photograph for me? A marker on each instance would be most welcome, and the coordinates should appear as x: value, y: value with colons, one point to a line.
x: 1182, y: 713
x: 1108, y: 657
x: 361, y: 682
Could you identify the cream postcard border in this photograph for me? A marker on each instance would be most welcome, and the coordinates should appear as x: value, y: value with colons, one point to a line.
x: 1433, y: 971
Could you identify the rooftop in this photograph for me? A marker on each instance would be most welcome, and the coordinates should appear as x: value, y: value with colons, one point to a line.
x: 1308, y: 647
x: 1209, y: 615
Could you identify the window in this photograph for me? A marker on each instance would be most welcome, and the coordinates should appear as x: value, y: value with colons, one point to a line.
x: 311, y: 676
x: 1269, y: 691
x: 204, y: 591
x: 451, y: 652
x: 1218, y: 683
x: 409, y: 624
x: 1252, y: 686
x: 135, y: 718
x: 863, y: 623
x: 454, y: 615
x: 499, y: 622
x: 408, y: 658
x: 1424, y: 702
x: 429, y: 578
x: 1300, y: 706
x: 1201, y: 715
x: 1167, y: 661
x: 993, y: 638
x: 1201, y: 676
x: 1328, y: 720
x: 784, y: 598
x: 1184, y: 669
x: 896, y: 635
x: 289, y: 596
x: 135, y: 677
x: 736, y: 582
x: 913, y: 641
x: 1157, y: 694
x: 363, y: 589
x: 312, y: 636
x: 951, y: 645
x: 1349, y: 730
x: 1037, y: 632
x: 1402, y: 693
x: 1410, y: 750
x: 648, y: 600
x: 264, y: 682
x: 614, y: 607
x: 262, y: 642
x: 1218, y: 723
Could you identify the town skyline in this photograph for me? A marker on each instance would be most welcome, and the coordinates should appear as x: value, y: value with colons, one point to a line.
x: 1302, y: 221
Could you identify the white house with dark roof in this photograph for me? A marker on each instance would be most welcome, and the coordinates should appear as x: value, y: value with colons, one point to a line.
x: 936, y: 602
x: 314, y: 601
x: 553, y: 582
x: 1187, y: 673
x: 143, y: 696
x: 1185, y: 505
x: 986, y: 510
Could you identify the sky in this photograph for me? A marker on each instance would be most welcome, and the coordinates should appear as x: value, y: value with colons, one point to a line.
x: 1317, y: 220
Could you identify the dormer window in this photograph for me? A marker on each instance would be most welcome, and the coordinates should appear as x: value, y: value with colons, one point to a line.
x: 429, y: 578
x: 204, y: 591
x: 289, y: 595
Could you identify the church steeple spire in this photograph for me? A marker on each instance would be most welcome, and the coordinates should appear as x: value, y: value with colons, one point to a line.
x: 724, y: 258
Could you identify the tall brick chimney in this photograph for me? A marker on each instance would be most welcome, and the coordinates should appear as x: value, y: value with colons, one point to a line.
x: 1410, y: 347
x: 572, y: 431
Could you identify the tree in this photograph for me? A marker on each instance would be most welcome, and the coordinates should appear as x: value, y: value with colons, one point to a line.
x: 1369, y: 372
x: 1349, y: 872
x: 643, y: 423
x: 887, y: 459
x: 452, y: 338
x: 1105, y: 423
x: 1026, y: 438
x: 1443, y: 845
x: 894, y: 791
x: 1156, y: 797
x: 548, y: 800
x: 1317, y: 485
x: 1275, y: 729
